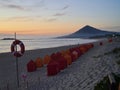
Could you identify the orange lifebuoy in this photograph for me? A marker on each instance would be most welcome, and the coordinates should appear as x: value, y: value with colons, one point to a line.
x: 13, y: 48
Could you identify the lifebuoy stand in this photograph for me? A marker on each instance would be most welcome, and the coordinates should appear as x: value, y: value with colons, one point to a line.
x: 17, y: 54
x: 13, y: 48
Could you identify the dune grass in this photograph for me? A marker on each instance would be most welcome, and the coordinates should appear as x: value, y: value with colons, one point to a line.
x: 104, y: 84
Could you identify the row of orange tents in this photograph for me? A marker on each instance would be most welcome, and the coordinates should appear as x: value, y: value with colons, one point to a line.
x: 60, y: 60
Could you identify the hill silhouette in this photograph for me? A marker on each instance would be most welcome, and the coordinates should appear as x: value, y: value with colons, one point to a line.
x: 89, y: 32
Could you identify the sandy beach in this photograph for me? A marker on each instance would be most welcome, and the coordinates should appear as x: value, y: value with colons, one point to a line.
x: 82, y: 74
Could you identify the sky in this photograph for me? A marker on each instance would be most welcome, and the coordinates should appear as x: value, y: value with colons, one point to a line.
x: 58, y: 17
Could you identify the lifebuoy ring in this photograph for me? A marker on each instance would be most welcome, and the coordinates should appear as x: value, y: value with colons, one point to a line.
x: 13, y: 48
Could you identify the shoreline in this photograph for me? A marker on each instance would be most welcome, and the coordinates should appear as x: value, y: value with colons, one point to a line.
x: 30, y: 46
x: 97, y: 40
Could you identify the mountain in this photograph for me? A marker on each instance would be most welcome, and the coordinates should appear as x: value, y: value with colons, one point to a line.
x: 89, y: 32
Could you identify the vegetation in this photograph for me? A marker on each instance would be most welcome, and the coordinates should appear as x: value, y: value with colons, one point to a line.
x: 115, y: 51
x: 118, y: 62
x: 118, y: 56
x: 104, y: 84
x: 117, y: 79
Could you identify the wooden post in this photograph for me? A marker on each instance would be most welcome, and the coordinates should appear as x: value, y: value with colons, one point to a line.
x: 39, y: 80
x: 17, y: 65
x: 17, y: 54
x: 7, y: 86
x: 26, y: 84
x: 17, y: 71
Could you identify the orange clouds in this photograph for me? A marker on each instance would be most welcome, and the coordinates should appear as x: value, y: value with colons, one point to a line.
x: 43, y: 28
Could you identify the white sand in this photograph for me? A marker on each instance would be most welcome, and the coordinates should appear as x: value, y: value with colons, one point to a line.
x: 82, y: 74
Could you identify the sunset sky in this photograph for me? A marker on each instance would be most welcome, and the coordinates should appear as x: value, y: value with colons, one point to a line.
x: 54, y: 17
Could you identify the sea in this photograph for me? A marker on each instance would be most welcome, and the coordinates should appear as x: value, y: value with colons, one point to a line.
x: 33, y: 42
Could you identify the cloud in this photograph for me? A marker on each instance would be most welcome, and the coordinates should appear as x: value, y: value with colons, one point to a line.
x: 116, y: 28
x: 12, y: 6
x: 5, y: 1
x: 19, y: 18
x: 22, y: 4
x: 51, y: 20
x: 40, y: 3
x: 23, y: 18
x: 59, y: 14
x: 61, y: 11
x: 65, y: 7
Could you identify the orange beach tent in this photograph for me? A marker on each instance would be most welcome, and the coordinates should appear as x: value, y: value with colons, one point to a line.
x: 39, y: 62
x: 31, y: 66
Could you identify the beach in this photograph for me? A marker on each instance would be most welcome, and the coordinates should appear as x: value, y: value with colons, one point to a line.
x: 83, y: 74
